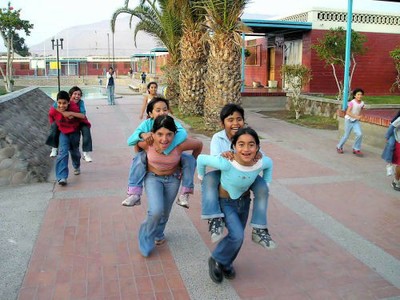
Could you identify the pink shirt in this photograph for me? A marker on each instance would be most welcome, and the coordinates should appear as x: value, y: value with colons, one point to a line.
x: 161, y: 161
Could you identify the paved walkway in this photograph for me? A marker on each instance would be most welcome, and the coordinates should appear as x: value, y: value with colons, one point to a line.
x: 335, y: 218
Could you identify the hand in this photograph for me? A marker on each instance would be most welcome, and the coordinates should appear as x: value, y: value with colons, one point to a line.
x: 148, y: 138
x: 228, y: 155
x: 258, y: 157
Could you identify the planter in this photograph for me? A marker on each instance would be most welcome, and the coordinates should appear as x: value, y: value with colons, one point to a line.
x: 272, y: 84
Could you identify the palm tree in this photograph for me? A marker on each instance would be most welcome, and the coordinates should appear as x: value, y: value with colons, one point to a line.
x: 161, y: 20
x: 193, y: 59
x: 223, y: 80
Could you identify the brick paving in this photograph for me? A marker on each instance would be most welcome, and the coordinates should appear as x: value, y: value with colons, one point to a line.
x: 335, y: 218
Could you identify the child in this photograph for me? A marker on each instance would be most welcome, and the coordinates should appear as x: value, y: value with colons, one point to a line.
x: 387, y: 153
x: 156, y: 107
x: 151, y: 93
x: 352, y: 122
x: 236, y: 178
x: 75, y: 94
x: 67, y: 118
x: 232, y: 120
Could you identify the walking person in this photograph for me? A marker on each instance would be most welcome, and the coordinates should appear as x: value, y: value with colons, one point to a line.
x: 162, y: 180
x: 143, y: 77
x: 234, y: 198
x: 352, y: 123
x: 110, y: 86
x: 387, y: 154
x: 152, y: 88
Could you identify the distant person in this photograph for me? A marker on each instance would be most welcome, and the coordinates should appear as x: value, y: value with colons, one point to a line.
x: 130, y: 72
x: 75, y: 94
x: 67, y: 118
x: 110, y: 86
x: 352, y: 123
x: 387, y: 153
x: 143, y: 76
x: 151, y: 93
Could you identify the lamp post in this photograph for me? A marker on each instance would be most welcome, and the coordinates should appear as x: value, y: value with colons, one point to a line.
x: 57, y: 43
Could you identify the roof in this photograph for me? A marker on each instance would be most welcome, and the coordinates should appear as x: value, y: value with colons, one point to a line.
x: 276, y: 27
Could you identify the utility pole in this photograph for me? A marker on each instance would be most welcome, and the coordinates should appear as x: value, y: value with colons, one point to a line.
x: 57, y: 43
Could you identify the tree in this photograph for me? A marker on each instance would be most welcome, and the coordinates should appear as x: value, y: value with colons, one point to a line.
x: 160, y: 19
x: 395, y: 54
x: 223, y: 80
x: 332, y: 49
x: 296, y: 78
x: 10, y: 24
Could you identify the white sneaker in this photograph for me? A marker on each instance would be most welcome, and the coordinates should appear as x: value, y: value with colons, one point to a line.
x: 389, y: 170
x: 53, y: 152
x: 132, y: 200
x: 183, y: 200
x: 86, y: 157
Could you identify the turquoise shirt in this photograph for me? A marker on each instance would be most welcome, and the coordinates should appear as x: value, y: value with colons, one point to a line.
x: 235, y: 178
x: 147, y: 125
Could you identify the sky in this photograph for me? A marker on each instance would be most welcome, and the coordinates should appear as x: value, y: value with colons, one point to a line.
x: 52, y: 16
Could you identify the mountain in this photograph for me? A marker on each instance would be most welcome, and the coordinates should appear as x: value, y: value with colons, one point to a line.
x: 96, y: 40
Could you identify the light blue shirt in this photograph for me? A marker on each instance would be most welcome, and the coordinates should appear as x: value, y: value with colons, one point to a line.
x: 235, y: 178
x: 147, y: 125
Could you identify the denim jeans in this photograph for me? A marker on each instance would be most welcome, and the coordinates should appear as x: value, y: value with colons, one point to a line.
x: 348, y: 127
x: 54, y: 136
x: 138, y: 170
x: 69, y: 143
x: 210, y: 207
x: 387, y: 153
x: 110, y: 94
x: 236, y: 214
x: 161, y: 192
x: 86, y: 138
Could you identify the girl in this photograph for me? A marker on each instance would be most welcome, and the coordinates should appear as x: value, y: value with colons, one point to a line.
x: 157, y: 107
x: 352, y: 122
x: 396, y: 154
x: 387, y: 153
x: 161, y: 180
x: 236, y: 178
x: 151, y: 93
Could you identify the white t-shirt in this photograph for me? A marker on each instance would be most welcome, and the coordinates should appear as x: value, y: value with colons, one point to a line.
x: 355, y: 109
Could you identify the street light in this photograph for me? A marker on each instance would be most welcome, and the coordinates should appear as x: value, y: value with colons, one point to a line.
x: 57, y: 44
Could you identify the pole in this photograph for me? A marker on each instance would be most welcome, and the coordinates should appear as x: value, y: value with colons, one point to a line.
x: 243, y: 62
x: 108, y: 43
x: 113, y: 51
x: 58, y: 69
x: 347, y: 56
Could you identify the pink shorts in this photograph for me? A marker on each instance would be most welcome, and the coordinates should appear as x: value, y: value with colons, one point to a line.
x: 396, y: 154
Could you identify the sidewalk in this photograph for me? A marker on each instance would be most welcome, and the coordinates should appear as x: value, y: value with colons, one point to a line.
x: 335, y: 218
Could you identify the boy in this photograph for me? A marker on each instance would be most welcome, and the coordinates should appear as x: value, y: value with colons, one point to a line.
x: 232, y: 119
x: 75, y: 94
x: 67, y: 119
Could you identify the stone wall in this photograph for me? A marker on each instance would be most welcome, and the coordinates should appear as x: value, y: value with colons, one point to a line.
x: 68, y: 81
x: 24, y: 157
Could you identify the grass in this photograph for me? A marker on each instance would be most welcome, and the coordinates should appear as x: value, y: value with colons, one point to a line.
x: 392, y: 99
x: 195, y: 122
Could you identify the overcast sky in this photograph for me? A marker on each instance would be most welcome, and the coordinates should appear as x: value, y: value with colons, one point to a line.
x: 51, y: 16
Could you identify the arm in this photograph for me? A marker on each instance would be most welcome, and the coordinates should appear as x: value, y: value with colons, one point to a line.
x: 71, y: 114
x: 82, y: 107
x: 143, y: 127
x: 179, y: 138
x: 192, y: 144
x: 52, y: 113
x: 267, y: 169
x: 213, y: 161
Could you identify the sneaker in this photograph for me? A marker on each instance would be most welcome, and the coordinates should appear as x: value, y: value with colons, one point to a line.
x: 389, y: 170
x: 357, y: 152
x: 53, y: 152
x: 183, y: 200
x: 339, y: 150
x: 132, y: 200
x: 262, y: 237
x: 396, y: 185
x: 62, y: 181
x: 86, y: 157
x: 216, y: 228
x: 77, y: 171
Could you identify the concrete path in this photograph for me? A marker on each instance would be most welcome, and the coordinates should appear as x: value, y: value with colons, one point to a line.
x: 335, y: 218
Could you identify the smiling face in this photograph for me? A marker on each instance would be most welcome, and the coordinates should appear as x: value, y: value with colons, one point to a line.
x: 62, y: 104
x: 232, y: 124
x: 358, y: 96
x: 163, y: 138
x: 160, y: 108
x: 246, y: 150
x: 152, y: 89
x: 76, y: 96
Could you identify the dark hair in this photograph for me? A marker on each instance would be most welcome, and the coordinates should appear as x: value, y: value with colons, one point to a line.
x: 229, y: 109
x: 150, y: 83
x: 150, y: 105
x: 74, y: 89
x: 164, y: 121
x: 355, y: 91
x: 63, y: 95
x: 245, y: 130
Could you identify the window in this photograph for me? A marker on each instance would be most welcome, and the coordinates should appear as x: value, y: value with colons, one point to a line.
x: 252, y: 54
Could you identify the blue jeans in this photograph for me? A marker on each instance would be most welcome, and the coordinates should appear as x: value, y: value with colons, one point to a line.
x: 86, y: 138
x: 110, y: 94
x: 348, y: 127
x: 161, y: 192
x: 69, y: 143
x: 387, y: 153
x: 236, y: 214
x: 210, y: 207
x: 138, y: 171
